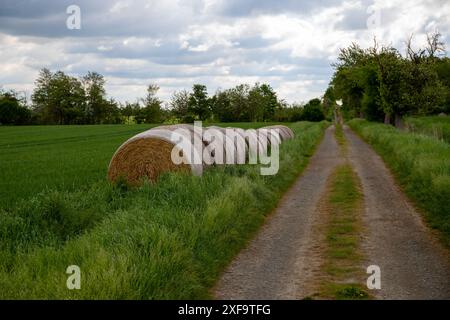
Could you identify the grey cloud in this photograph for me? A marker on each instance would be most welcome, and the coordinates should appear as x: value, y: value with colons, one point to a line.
x: 252, y: 42
x: 48, y: 18
x: 354, y: 19
x: 167, y: 52
x: 155, y: 50
x: 243, y: 8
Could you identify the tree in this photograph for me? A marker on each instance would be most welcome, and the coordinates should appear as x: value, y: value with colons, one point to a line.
x: 199, y: 103
x: 152, y: 111
x: 62, y: 99
x: 221, y: 106
x: 288, y: 113
x: 329, y: 101
x: 378, y: 83
x: 255, y: 110
x: 262, y: 103
x: 130, y: 112
x: 435, y: 46
x: 179, y: 105
x: 312, y: 111
x: 96, y: 104
x: 424, y: 92
x: 442, y: 69
x: 12, y: 111
x: 368, y: 79
x: 238, y: 97
x: 59, y: 98
x: 112, y: 112
x: 270, y: 101
x: 68, y: 98
x: 41, y: 95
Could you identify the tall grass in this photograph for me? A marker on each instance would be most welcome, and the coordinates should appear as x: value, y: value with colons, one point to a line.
x: 168, y: 240
x: 343, y: 257
x: 422, y: 166
x: 437, y: 127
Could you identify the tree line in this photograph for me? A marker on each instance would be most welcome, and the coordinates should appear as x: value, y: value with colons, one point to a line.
x: 60, y: 99
x: 380, y: 84
x: 377, y: 83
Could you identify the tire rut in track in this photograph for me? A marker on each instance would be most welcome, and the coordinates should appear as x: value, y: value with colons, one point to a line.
x: 276, y: 264
x: 414, y: 265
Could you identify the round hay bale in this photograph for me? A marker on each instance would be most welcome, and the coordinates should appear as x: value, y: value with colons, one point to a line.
x: 240, y: 145
x: 227, y: 149
x: 284, y: 135
x: 148, y: 154
x: 189, y: 127
x: 289, y: 131
x: 265, y: 136
x: 285, y: 132
x: 252, y: 134
x: 262, y: 136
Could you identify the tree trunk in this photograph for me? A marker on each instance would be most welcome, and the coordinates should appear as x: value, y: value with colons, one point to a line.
x: 387, y: 118
x: 399, y: 121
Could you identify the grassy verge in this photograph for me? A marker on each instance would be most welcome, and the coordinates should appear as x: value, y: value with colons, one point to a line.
x: 342, y: 258
x: 339, y: 136
x: 168, y: 240
x: 421, y: 165
x: 436, y: 127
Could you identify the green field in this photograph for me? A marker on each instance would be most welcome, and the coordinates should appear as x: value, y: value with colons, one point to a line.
x: 39, y: 158
x: 165, y: 240
x: 437, y: 127
x: 421, y: 164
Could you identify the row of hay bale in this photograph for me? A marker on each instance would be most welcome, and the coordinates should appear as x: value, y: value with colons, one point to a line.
x: 148, y: 154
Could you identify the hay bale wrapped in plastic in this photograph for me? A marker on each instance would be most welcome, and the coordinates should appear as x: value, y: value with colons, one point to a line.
x: 236, y: 137
x: 215, y: 138
x: 285, y: 132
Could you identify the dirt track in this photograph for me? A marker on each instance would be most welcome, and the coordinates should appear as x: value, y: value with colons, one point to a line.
x: 283, y: 261
x: 413, y: 264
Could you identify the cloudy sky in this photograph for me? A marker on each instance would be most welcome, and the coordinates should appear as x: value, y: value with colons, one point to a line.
x: 289, y: 44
